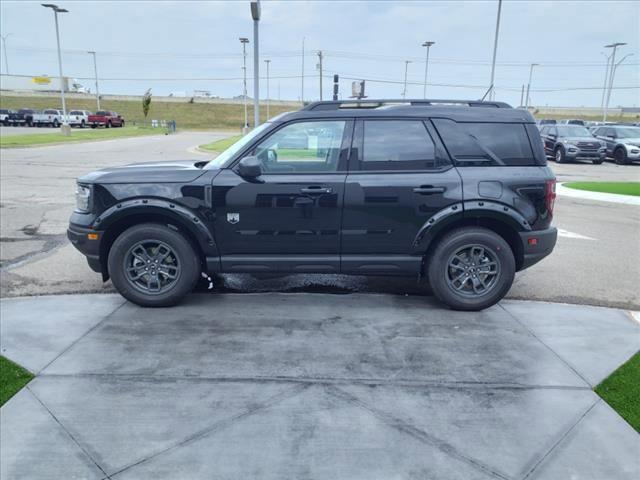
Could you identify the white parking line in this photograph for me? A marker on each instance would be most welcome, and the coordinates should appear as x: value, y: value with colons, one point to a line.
x: 568, y: 234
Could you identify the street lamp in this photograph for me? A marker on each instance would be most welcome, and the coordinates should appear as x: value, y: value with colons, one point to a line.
x: 56, y: 10
x: 406, y: 68
x: 606, y: 78
x: 244, y: 41
x: 526, y: 100
x: 426, y: 67
x: 613, y: 63
x: 255, y: 14
x: 495, y: 52
x: 95, y: 71
x: 614, y: 67
x: 268, y: 101
x: 4, y: 48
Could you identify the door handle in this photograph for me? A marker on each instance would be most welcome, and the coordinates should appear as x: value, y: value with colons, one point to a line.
x: 316, y: 189
x: 428, y: 190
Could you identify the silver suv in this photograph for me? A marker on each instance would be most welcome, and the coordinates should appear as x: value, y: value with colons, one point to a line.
x: 623, y: 142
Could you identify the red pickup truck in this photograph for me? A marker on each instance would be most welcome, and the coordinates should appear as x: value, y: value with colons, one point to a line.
x: 106, y: 119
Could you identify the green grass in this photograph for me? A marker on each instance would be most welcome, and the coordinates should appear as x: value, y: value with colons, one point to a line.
x: 187, y: 115
x: 12, y: 378
x: 620, y: 188
x: 221, y: 145
x: 621, y: 390
x: 37, y: 139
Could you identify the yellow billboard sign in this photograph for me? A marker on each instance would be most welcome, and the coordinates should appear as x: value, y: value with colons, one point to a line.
x: 41, y: 80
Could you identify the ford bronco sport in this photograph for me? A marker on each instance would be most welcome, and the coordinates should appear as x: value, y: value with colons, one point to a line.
x: 456, y: 192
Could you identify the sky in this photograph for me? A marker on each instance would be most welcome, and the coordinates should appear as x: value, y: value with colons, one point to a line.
x: 179, y: 47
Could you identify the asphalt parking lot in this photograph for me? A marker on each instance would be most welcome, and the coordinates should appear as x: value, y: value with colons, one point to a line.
x: 314, y: 386
x: 593, y: 263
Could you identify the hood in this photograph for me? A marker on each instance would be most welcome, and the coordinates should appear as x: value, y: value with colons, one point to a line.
x: 154, y: 172
x: 580, y: 139
x: 634, y: 140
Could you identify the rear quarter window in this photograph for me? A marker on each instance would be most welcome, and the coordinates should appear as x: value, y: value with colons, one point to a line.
x: 498, y: 144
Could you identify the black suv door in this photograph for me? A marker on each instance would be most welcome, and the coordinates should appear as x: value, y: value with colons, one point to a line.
x: 288, y: 219
x: 399, y: 177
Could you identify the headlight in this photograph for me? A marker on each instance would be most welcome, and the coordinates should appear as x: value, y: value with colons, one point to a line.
x: 83, y: 198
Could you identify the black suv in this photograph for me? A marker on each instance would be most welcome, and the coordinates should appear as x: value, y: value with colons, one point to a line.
x: 457, y: 192
x: 572, y: 142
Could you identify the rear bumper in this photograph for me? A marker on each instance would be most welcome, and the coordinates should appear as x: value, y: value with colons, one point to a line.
x: 537, y: 245
x: 78, y: 236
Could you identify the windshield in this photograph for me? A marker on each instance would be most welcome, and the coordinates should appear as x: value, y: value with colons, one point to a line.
x: 573, y: 131
x: 630, y: 132
x: 230, y: 152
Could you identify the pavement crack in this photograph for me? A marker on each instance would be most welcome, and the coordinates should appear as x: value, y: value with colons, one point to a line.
x: 69, y: 434
x: 217, y: 426
x: 425, y: 437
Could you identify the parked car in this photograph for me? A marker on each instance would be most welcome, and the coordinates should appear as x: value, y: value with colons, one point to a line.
x: 106, y: 119
x: 49, y: 117
x: 622, y: 143
x: 572, y: 121
x: 4, y: 116
x: 567, y: 143
x: 24, y: 116
x: 401, y: 187
x: 79, y: 118
x: 545, y: 121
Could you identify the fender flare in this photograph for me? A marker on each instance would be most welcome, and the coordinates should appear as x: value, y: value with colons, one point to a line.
x: 183, y: 216
x: 464, y: 210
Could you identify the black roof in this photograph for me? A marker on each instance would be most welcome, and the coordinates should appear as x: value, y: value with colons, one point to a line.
x: 458, y: 110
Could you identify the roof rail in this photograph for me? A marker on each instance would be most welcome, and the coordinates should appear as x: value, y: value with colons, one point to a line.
x: 371, y: 103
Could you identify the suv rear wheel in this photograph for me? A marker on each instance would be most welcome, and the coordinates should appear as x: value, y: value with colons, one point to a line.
x: 471, y: 268
x: 153, y: 265
x: 620, y: 156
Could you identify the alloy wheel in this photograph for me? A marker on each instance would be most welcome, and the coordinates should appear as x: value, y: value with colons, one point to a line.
x: 473, y: 270
x: 152, y: 267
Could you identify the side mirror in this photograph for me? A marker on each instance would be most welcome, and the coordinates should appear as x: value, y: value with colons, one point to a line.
x: 250, y: 167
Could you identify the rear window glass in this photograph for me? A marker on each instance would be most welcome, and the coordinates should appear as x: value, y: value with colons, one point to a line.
x: 75, y: 112
x: 51, y: 112
x: 103, y: 113
x: 501, y: 144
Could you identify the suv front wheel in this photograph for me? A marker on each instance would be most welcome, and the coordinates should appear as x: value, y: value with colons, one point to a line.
x: 153, y: 265
x: 471, y: 268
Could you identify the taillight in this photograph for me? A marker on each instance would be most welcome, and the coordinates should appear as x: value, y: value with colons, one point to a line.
x: 550, y: 195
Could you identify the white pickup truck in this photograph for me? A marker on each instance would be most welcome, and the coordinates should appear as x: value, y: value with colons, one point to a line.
x: 49, y: 117
x: 78, y: 118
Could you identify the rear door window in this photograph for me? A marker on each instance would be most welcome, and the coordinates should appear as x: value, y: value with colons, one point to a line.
x: 500, y: 144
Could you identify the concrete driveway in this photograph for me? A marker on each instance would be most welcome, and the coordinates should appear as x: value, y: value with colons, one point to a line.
x: 314, y: 386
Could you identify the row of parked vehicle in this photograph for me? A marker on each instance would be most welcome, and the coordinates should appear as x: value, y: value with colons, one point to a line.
x: 52, y: 117
x: 569, y: 140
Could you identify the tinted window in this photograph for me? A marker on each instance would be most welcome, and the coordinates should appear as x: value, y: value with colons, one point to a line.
x: 51, y: 112
x: 486, y: 143
x: 303, y: 147
x: 75, y: 112
x: 102, y: 113
x: 397, y: 144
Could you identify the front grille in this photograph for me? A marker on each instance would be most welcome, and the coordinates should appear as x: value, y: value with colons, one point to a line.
x: 593, y: 146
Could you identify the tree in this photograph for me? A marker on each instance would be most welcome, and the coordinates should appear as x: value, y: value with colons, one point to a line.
x: 146, y: 103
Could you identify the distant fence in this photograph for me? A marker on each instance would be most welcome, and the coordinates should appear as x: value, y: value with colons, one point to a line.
x: 169, y: 125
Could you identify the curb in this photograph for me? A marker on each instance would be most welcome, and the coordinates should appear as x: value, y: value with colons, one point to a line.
x: 597, y: 196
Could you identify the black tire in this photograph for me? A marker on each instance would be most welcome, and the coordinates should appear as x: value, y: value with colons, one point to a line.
x: 122, y: 124
x: 185, y: 257
x: 108, y: 125
x: 82, y: 124
x: 55, y: 123
x: 93, y: 125
x: 620, y: 156
x: 440, y: 271
x: 559, y: 155
x: 598, y: 162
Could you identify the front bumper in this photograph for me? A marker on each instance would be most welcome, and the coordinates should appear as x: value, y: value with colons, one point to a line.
x: 536, y: 245
x: 585, y: 154
x: 90, y: 248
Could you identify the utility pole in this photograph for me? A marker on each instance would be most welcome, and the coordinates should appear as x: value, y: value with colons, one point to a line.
x: 426, y: 67
x: 526, y: 100
x: 4, y: 48
x: 268, y: 101
x: 302, y: 77
x: 406, y: 69
x: 244, y: 41
x: 521, y: 96
x: 613, y: 63
x: 95, y: 71
x: 255, y: 14
x: 495, y: 51
x: 614, y: 67
x: 320, y: 68
x: 65, y: 121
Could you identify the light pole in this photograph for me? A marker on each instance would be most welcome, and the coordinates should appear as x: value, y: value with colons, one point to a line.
x: 320, y: 71
x: 255, y: 14
x: 56, y: 10
x: 406, y: 69
x: 268, y: 101
x: 426, y: 67
x: 301, y: 78
x: 95, y: 71
x: 606, y: 77
x: 4, y: 49
x: 614, y: 67
x: 495, y: 51
x: 244, y: 41
x: 613, y: 62
x: 526, y: 100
